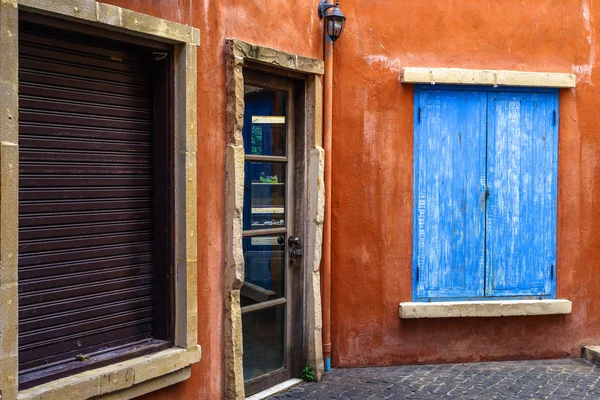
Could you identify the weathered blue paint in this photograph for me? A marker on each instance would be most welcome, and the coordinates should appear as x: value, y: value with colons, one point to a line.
x: 467, y: 140
x: 521, y: 208
x: 449, y: 178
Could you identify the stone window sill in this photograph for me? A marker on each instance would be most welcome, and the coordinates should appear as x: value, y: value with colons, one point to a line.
x: 494, y: 308
x: 131, y: 378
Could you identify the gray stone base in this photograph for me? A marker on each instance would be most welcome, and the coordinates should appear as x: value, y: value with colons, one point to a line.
x: 591, y: 353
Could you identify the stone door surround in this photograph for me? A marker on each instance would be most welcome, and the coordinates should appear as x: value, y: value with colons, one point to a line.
x: 238, y: 54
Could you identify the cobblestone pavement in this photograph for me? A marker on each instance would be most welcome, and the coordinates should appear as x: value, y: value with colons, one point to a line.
x: 547, y: 379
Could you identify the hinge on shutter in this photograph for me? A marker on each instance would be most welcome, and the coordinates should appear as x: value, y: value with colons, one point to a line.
x: 419, y: 115
x: 552, y: 272
x: 554, y: 118
x: 417, y: 277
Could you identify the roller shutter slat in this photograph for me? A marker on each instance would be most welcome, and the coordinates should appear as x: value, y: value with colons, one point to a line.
x: 69, y: 291
x: 68, y: 346
x: 82, y: 169
x: 38, y: 103
x: 83, y: 313
x: 32, y: 64
x: 87, y: 157
x: 57, y: 42
x: 84, y: 205
x: 76, y: 57
x: 84, y: 193
x: 54, y: 332
x: 30, y: 130
x: 80, y: 230
x: 78, y: 254
x: 82, y: 120
x: 86, y: 146
x: 93, y: 300
x: 86, y: 216
x: 90, y: 85
x: 86, y: 197
x: 47, y: 91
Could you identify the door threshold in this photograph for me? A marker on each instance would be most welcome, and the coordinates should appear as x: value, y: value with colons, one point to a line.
x: 273, y: 390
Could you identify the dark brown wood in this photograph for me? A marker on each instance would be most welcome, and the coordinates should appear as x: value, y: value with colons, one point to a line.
x: 263, y: 305
x: 295, y: 330
x: 266, y: 381
x: 96, y: 235
x: 164, y: 218
x: 264, y: 232
x: 298, y: 342
x: 253, y: 157
x: 269, y: 70
x: 96, y: 360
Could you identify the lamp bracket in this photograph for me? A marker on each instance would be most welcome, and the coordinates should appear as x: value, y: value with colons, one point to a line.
x: 324, y: 6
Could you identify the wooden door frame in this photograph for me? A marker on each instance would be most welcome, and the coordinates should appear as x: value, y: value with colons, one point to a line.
x: 308, y: 92
x: 294, y: 274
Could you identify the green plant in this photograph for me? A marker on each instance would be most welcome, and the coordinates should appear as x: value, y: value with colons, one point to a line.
x: 307, y: 374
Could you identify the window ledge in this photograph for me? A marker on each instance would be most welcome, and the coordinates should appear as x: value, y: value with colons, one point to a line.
x: 130, y: 377
x: 500, y: 308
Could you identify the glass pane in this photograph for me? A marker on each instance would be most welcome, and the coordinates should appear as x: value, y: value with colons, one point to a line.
x: 264, y: 260
x: 264, y: 195
x: 263, y: 334
x: 265, y: 121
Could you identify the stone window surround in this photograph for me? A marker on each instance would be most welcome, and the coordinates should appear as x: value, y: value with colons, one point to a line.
x: 144, y: 374
x: 237, y: 54
x: 485, y: 308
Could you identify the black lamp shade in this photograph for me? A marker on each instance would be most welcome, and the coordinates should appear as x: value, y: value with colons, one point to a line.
x: 334, y: 23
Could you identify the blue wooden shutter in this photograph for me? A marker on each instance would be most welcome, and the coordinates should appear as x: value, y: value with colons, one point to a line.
x: 521, y: 208
x: 448, y: 256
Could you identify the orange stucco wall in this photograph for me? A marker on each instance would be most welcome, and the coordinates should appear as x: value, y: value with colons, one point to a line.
x: 373, y: 166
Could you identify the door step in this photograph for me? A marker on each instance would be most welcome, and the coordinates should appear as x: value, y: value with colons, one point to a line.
x: 591, y: 353
x: 273, y: 390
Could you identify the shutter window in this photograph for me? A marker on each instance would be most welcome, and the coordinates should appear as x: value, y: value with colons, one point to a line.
x: 86, y: 198
x: 521, y: 208
x: 485, y: 194
x: 449, y: 223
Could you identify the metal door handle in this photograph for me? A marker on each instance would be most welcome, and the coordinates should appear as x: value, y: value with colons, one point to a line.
x: 293, y: 241
x: 295, y: 248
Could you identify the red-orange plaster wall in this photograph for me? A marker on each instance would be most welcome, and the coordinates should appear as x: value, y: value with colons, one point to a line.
x: 373, y: 168
x: 273, y: 23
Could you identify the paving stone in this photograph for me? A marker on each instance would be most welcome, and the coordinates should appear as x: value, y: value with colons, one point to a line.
x: 567, y: 379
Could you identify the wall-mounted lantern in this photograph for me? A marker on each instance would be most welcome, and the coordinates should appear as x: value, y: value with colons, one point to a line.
x: 334, y: 19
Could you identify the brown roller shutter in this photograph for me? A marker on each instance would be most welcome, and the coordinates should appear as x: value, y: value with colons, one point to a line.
x: 87, y: 197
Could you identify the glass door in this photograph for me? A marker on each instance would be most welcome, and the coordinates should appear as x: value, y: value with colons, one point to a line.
x: 268, y: 224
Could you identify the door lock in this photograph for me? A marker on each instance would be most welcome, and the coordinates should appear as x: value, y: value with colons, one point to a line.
x: 295, y: 248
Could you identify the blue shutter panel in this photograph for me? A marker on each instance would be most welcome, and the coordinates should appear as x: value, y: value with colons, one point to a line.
x: 521, y: 208
x: 448, y: 228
